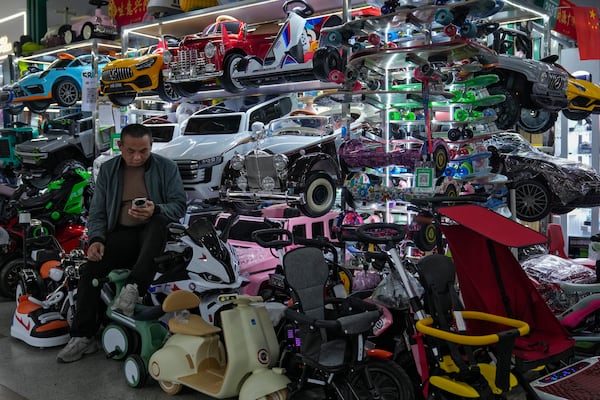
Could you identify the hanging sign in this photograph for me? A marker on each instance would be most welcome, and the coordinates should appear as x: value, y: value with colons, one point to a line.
x: 565, y: 21
x: 126, y: 12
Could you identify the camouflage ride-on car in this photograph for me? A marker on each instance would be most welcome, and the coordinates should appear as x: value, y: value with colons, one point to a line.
x: 294, y: 162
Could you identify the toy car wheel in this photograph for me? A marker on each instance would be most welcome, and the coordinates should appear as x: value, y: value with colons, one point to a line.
x: 575, y: 115
x: 454, y: 134
x: 326, y: 60
x: 440, y: 159
x: 135, y: 371
x: 536, y: 121
x: 443, y: 17
x: 171, y: 388
x: 187, y: 89
x: 123, y: 99
x: 66, y: 93
x: 507, y: 111
x: 388, y: 378
x: 63, y: 30
x: 532, y: 200
x: 69, y: 36
x: 87, y: 31
x: 319, y: 195
x: 10, y: 277
x: 38, y: 106
x: 167, y: 92
x: 230, y: 65
x: 116, y: 341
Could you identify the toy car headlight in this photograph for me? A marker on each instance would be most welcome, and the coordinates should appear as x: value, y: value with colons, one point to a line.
x: 242, y: 183
x: 167, y: 57
x: 237, y: 162
x: 146, y: 64
x: 210, y: 50
x: 268, y: 183
x: 544, y: 77
x: 209, y: 162
x: 280, y: 162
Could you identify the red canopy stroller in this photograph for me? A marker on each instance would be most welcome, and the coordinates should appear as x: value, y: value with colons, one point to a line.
x: 492, y: 280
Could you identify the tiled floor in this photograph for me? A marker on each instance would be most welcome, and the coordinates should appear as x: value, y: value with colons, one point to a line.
x: 28, y: 373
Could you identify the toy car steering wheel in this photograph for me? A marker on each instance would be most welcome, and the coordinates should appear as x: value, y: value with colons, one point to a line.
x: 305, y: 12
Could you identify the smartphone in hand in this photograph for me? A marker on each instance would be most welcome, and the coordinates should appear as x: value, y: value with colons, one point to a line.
x: 139, y: 202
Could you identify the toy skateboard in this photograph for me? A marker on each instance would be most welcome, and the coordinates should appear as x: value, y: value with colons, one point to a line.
x: 400, y: 21
x: 459, y: 127
x: 468, y: 85
x: 380, y: 99
x: 370, y: 65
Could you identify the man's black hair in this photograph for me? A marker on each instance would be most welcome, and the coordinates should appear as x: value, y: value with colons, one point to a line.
x: 136, y: 130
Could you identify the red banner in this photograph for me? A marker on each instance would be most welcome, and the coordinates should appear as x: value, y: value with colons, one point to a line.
x: 565, y: 22
x: 588, y: 32
x: 127, y: 12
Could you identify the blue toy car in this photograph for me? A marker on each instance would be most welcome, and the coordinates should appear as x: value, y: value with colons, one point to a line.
x: 60, y: 83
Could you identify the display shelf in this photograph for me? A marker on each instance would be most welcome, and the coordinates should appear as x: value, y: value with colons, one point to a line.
x: 101, y: 46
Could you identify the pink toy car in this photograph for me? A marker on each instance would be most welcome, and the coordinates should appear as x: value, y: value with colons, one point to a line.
x: 87, y: 27
x: 257, y: 262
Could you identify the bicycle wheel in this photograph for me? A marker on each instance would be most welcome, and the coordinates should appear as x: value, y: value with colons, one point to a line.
x: 389, y: 379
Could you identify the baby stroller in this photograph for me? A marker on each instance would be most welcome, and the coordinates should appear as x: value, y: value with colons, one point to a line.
x: 492, y: 280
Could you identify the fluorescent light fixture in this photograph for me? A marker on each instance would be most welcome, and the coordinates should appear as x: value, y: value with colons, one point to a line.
x: 538, y: 12
x: 17, y: 15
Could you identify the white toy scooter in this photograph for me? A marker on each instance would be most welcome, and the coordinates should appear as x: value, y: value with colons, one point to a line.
x: 240, y: 365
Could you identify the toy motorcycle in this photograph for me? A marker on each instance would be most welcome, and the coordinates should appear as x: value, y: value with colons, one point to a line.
x: 201, y: 261
x: 239, y: 365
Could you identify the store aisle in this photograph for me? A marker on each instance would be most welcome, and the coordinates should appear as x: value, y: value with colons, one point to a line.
x: 28, y: 373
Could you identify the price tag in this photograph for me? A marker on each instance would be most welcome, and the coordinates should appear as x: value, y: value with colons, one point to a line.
x: 89, y: 91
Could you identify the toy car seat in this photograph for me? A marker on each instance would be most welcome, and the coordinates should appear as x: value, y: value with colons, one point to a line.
x: 459, y: 367
x: 327, y: 344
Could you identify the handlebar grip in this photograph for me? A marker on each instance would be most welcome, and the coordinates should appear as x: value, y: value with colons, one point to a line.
x: 259, y: 237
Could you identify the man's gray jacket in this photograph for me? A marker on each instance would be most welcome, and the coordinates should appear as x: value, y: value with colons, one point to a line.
x: 163, y: 184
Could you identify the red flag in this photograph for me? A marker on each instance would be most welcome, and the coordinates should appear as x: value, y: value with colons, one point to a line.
x: 588, y: 32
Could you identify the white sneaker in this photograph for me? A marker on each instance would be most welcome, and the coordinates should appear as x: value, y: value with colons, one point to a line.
x: 127, y: 299
x: 76, y: 348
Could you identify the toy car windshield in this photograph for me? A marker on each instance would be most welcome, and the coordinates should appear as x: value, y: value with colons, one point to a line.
x: 300, y: 125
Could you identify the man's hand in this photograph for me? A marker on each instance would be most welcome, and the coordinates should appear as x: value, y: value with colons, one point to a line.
x: 95, y: 251
x: 143, y: 213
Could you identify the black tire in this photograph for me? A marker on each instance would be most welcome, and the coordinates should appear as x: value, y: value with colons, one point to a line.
x: 10, y: 277
x: 326, y: 60
x: 536, y: 121
x: 575, y: 115
x: 390, y: 380
x: 440, y: 160
x: 319, y: 195
x: 37, y: 106
x: 66, y: 93
x: 122, y: 99
x: 426, y: 237
x: 187, y: 89
x: 507, y: 111
x: 62, y: 30
x: 230, y: 64
x: 135, y: 370
x: 65, y: 165
x: 167, y: 91
x: 533, y: 200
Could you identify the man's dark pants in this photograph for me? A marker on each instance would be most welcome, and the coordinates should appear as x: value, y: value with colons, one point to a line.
x: 126, y: 247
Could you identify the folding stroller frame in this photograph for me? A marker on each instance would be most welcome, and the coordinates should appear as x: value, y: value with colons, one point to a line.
x: 492, y: 280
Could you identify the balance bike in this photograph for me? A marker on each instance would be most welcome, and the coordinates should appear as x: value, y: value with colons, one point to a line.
x: 131, y: 338
x: 239, y: 365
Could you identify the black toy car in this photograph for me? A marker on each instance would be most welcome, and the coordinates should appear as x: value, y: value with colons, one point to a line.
x: 542, y: 183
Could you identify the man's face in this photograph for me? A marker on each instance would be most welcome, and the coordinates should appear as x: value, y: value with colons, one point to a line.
x: 135, y: 151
